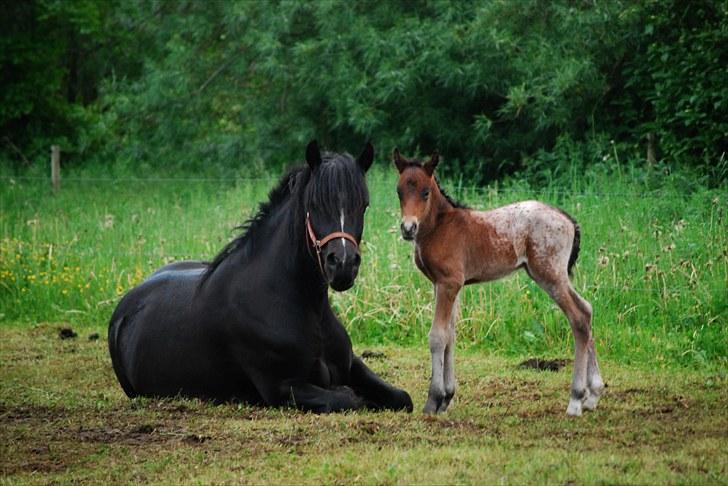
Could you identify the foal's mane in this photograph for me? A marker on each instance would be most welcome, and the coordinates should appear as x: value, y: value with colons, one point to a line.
x: 295, y: 184
x: 453, y: 202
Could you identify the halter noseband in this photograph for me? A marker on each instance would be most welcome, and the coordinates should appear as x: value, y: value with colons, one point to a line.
x: 319, y: 244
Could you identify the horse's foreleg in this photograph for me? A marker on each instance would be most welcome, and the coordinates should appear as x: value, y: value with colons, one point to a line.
x: 439, y: 337
x: 378, y: 393
x: 313, y: 398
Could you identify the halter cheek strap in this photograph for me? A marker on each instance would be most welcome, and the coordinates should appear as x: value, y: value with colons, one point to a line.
x: 319, y: 244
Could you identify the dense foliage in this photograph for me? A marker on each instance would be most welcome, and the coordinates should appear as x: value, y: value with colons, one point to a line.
x: 495, y: 86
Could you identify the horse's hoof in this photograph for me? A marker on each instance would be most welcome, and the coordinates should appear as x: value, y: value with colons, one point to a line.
x: 405, y: 402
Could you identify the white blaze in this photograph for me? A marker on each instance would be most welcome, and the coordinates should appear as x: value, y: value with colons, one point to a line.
x: 343, y: 241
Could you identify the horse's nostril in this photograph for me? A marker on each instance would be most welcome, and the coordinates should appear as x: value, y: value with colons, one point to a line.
x: 357, y: 259
x: 331, y: 259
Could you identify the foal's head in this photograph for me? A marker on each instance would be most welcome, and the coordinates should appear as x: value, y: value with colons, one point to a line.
x: 415, y: 188
x: 335, y: 201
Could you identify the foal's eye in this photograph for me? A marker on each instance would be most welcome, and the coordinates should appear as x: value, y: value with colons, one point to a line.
x: 425, y: 194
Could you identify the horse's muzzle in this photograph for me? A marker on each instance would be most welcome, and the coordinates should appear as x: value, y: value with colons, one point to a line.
x: 342, y: 266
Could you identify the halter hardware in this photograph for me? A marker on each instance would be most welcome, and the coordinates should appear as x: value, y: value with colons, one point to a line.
x: 318, y: 245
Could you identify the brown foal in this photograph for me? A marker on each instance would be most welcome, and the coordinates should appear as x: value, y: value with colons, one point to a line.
x: 457, y: 246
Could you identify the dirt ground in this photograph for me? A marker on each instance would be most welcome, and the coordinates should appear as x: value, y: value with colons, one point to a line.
x: 63, y: 418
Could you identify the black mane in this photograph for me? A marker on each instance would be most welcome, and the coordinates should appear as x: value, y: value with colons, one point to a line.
x: 287, y: 185
x: 329, y: 177
x: 295, y: 184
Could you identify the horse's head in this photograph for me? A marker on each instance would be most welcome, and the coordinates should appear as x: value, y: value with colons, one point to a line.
x: 335, y: 201
x: 415, y: 188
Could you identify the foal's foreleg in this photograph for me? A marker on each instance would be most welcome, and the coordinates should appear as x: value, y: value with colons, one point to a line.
x: 440, y: 336
x: 449, y: 362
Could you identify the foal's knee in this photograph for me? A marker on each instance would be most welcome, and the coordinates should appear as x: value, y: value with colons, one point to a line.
x: 438, y: 338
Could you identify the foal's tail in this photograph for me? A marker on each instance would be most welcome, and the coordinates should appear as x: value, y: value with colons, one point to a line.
x: 577, y: 241
x: 574, y: 247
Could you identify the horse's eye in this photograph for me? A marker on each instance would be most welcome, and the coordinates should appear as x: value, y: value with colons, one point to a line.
x: 425, y: 193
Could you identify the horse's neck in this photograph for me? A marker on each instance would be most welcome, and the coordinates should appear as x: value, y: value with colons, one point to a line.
x: 289, y: 247
x: 290, y: 266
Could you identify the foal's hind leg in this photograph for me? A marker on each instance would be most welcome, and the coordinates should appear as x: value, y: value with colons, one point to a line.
x: 594, y: 382
x: 558, y: 286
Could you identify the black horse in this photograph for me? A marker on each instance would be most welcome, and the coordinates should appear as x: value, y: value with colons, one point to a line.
x: 255, y: 324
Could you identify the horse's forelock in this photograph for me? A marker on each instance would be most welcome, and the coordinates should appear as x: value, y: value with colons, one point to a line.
x: 337, y: 174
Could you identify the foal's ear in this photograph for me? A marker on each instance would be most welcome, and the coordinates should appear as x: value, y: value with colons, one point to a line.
x: 399, y: 161
x: 313, y: 154
x: 432, y: 163
x: 367, y: 157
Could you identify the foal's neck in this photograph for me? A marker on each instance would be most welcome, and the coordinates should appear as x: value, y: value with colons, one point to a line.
x: 440, y: 207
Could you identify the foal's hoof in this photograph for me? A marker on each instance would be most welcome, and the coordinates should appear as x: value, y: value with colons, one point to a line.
x: 574, y: 408
x: 591, y: 401
x: 594, y: 392
x: 431, y: 406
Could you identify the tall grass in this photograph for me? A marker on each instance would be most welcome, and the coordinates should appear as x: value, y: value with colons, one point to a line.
x: 654, y: 263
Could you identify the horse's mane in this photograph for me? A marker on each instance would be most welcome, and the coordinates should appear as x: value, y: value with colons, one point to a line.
x: 295, y: 184
x: 287, y: 185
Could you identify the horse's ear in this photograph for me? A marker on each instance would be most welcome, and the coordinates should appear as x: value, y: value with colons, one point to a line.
x: 399, y: 161
x: 432, y: 163
x: 313, y: 154
x: 367, y: 157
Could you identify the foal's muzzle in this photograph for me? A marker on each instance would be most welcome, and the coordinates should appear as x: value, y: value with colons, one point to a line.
x: 409, y: 230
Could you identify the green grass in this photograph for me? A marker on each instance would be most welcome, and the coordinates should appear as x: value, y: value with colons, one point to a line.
x: 654, y: 262
x: 64, y: 419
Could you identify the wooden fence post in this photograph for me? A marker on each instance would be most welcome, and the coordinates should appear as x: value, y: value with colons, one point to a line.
x: 651, y: 142
x: 56, y: 167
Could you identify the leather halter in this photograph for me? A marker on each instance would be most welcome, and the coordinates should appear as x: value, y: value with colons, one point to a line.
x: 318, y: 245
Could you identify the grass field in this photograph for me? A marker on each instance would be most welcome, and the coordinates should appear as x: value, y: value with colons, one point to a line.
x: 654, y: 261
x: 63, y: 418
x: 654, y: 264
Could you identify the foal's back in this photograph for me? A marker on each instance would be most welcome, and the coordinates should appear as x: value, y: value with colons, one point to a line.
x: 524, y: 234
